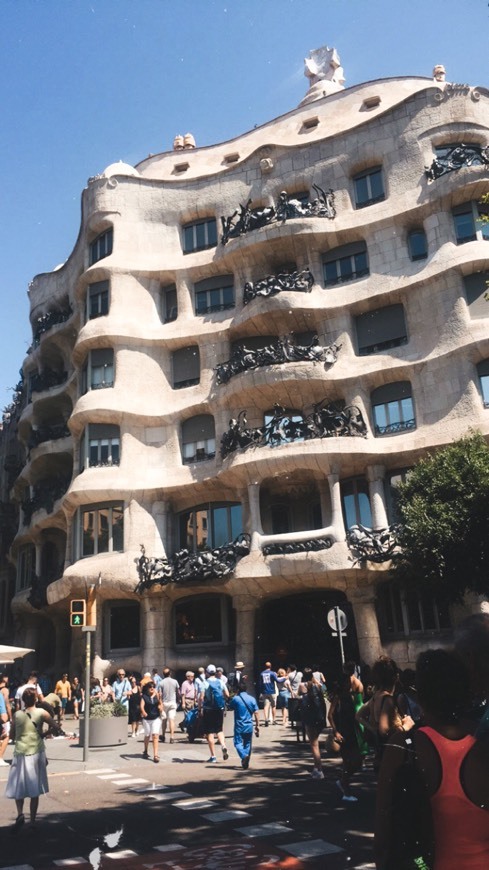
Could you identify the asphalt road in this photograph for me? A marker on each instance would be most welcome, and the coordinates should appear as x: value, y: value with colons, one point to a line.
x: 121, y: 811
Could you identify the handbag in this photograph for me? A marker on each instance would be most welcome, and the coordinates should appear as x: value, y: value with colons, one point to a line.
x: 411, y: 840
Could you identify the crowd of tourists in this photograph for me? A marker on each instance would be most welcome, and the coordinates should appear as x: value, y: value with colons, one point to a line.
x: 425, y: 731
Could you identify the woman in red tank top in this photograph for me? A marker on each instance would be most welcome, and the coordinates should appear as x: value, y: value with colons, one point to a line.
x: 452, y: 764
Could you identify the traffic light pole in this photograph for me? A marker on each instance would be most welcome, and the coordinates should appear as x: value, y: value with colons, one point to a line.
x: 86, y: 715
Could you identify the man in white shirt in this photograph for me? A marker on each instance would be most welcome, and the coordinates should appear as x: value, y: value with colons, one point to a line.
x: 170, y: 696
x: 31, y: 684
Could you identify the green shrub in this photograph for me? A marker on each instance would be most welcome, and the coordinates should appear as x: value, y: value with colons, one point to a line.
x: 102, y: 710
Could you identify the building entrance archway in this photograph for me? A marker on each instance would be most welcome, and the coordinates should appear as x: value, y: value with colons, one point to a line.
x: 294, y: 629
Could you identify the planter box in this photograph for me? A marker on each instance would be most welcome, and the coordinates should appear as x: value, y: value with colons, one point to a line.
x: 111, y: 731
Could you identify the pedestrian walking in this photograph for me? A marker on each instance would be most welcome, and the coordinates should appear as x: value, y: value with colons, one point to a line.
x: 268, y: 693
x: 134, y: 710
x: 63, y: 691
x: 189, y: 695
x: 212, y: 701
x: 5, y: 717
x: 28, y: 774
x: 235, y: 676
x: 121, y: 688
x: 170, y: 697
x: 246, y: 719
x: 78, y: 697
x: 313, y: 716
x: 284, y: 695
x: 151, y: 710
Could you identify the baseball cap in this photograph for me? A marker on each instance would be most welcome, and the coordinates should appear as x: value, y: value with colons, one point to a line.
x: 211, y: 669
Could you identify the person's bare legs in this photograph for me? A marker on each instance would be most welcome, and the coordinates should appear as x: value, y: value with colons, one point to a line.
x: 155, y: 745
x: 33, y: 809
x: 211, y: 744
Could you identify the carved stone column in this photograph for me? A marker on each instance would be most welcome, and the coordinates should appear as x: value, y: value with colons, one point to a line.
x: 162, y: 544
x: 375, y: 477
x: 184, y: 297
x: 254, y: 514
x: 157, y: 634
x: 337, y: 520
x: 367, y: 626
x: 246, y: 607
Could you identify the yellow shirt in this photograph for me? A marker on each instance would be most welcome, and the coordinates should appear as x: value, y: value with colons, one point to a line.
x: 63, y: 689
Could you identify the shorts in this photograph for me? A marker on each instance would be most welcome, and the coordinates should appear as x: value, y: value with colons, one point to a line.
x: 212, y: 721
x: 272, y: 698
x: 151, y: 726
x: 169, y: 710
x: 282, y: 701
x: 64, y: 703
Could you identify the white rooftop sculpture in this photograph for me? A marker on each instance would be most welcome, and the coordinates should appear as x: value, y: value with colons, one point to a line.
x: 325, y: 73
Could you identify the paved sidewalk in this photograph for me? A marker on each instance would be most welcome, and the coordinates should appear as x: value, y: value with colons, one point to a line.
x: 120, y: 810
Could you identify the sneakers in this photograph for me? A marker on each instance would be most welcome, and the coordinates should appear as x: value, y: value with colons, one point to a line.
x: 339, y: 785
x: 225, y: 753
x: 212, y: 760
x: 245, y: 762
x: 350, y: 798
x: 317, y: 774
x: 4, y: 763
x: 145, y: 755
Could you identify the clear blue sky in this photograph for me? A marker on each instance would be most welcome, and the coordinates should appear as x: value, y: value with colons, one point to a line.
x: 85, y: 83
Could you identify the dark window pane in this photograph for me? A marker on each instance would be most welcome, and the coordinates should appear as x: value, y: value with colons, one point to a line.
x: 124, y: 626
x: 198, y: 621
x: 188, y: 239
x: 418, y: 248
x: 464, y: 227
x: 376, y: 186
x: 200, y: 236
x: 361, y: 187
x: 211, y: 233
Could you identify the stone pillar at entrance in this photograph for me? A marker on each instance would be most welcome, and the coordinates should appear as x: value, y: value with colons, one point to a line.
x: 367, y: 627
x: 156, y: 612
x: 375, y: 477
x: 246, y: 607
x: 337, y: 520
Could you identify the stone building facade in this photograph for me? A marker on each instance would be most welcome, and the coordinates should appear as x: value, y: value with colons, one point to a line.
x: 254, y: 341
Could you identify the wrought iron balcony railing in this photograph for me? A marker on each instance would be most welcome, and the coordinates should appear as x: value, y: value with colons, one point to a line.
x: 453, y: 157
x: 281, y: 351
x: 327, y: 420
x: 48, y: 433
x: 245, y: 219
x: 374, y: 545
x: 44, y: 497
x: 187, y: 567
x: 394, y: 428
x: 46, y: 380
x: 47, y: 321
x: 283, y: 549
x: 299, y: 282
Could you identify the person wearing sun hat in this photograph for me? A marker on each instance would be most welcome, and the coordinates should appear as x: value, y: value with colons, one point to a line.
x: 235, y: 676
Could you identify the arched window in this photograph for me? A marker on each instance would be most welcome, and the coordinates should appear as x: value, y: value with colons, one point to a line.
x: 214, y: 294
x: 198, y: 438
x: 346, y: 263
x: 199, y: 235
x: 369, y: 187
x: 210, y: 525
x: 393, y: 408
x: 101, y: 246
x: 356, y: 502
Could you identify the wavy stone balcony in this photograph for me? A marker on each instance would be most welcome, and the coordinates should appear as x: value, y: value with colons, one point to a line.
x: 186, y: 567
x: 327, y: 420
x: 245, y: 219
x: 283, y: 350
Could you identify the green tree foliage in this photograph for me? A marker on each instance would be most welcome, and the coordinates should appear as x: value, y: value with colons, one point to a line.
x: 444, y: 509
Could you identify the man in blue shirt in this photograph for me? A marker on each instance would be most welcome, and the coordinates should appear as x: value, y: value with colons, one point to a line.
x: 245, y: 711
x: 268, y: 692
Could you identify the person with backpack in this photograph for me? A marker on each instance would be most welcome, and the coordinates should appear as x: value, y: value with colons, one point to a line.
x: 212, y: 702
